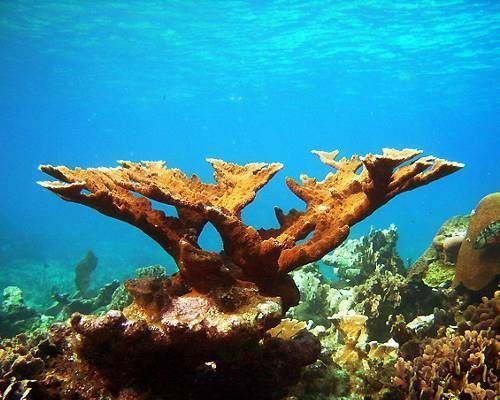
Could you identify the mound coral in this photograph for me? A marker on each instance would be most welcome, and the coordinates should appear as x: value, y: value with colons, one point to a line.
x: 221, y: 303
x: 479, y: 265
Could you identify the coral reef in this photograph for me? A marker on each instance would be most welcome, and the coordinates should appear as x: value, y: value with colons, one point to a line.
x: 319, y: 299
x: 478, y: 265
x: 436, y: 267
x: 462, y: 364
x: 359, y: 186
x: 379, y: 298
x: 44, y: 366
x: 83, y: 270
x: 349, y: 367
x: 357, y: 259
x: 433, y: 360
x: 15, y: 315
x: 65, y: 305
x: 180, y: 330
x: 121, y: 298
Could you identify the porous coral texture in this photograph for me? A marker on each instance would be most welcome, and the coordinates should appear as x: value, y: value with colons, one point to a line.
x: 46, y: 366
x: 464, y: 366
x: 349, y: 366
x: 359, y: 186
x: 318, y: 298
x: 379, y: 297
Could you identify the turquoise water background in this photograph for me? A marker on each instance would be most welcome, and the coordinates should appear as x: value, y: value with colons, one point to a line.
x: 84, y: 83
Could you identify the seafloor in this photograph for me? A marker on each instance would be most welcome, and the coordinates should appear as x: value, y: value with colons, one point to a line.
x: 221, y: 329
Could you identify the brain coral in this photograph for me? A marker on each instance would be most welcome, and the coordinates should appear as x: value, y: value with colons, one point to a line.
x: 477, y: 267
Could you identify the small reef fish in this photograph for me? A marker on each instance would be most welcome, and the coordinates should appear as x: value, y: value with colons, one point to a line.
x: 489, y: 236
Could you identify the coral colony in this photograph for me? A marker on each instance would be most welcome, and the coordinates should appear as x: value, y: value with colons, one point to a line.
x: 258, y: 320
x: 254, y: 260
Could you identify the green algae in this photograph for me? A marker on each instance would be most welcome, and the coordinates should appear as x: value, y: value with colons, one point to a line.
x: 439, y: 273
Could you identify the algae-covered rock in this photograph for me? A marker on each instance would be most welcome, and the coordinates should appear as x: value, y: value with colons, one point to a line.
x: 439, y: 273
x: 436, y: 267
x: 15, y: 316
x: 121, y: 298
x: 152, y: 271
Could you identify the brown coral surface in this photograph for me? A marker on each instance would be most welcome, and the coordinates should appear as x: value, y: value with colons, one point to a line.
x: 359, y: 186
x: 476, y: 267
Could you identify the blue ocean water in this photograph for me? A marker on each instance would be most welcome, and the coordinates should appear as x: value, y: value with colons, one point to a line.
x: 88, y: 83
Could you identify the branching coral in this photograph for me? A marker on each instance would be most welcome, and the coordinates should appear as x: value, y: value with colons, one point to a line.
x: 359, y: 186
x: 459, y: 365
x: 357, y: 259
x: 221, y: 303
